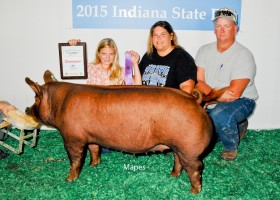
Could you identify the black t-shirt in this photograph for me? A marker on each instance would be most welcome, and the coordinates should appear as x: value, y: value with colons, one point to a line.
x: 168, y: 71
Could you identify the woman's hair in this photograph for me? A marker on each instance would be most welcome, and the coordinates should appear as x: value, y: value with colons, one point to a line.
x: 168, y: 28
x: 115, y: 68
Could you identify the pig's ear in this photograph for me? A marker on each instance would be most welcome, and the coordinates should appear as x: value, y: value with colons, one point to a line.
x: 35, y: 86
x: 49, y: 77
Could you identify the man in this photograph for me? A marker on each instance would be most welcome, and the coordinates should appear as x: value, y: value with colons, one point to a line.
x: 4, y: 109
x: 228, y: 64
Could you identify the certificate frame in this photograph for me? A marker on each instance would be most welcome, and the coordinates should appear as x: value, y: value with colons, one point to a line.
x: 73, y: 61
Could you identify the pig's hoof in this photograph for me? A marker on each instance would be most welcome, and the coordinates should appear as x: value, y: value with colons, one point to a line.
x: 71, y: 178
x: 95, y: 163
x: 175, y: 174
x: 196, y: 190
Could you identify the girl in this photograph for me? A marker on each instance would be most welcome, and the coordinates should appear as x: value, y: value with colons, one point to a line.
x: 105, y: 69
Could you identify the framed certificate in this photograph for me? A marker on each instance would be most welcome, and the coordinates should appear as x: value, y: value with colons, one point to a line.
x: 73, y: 61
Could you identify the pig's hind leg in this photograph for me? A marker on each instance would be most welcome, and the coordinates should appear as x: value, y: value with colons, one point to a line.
x: 177, y: 167
x: 193, y: 167
x: 95, y: 153
x: 76, y: 153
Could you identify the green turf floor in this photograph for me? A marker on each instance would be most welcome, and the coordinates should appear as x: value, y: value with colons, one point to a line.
x: 40, y: 172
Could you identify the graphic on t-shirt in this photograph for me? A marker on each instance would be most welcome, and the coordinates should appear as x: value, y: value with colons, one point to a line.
x: 155, y: 75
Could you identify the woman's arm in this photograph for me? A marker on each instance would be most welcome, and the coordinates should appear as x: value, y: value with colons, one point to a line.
x: 187, y: 86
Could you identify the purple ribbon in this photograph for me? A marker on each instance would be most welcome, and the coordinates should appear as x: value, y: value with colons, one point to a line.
x: 128, y: 69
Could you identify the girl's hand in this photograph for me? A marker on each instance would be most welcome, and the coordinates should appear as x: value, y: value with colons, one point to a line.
x: 134, y: 57
x: 74, y: 42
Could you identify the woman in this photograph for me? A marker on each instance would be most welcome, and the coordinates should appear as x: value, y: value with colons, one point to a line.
x: 166, y: 63
x: 105, y: 69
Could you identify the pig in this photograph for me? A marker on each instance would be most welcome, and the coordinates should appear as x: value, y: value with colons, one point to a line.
x: 133, y: 119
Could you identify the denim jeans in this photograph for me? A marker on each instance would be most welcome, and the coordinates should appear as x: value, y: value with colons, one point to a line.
x: 227, y: 116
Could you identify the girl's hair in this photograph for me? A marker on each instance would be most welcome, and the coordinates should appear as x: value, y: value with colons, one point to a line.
x: 168, y: 28
x: 115, y: 68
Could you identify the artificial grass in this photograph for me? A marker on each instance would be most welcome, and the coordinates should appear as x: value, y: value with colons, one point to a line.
x: 40, y: 173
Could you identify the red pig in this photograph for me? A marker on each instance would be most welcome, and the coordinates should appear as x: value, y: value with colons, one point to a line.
x: 134, y: 119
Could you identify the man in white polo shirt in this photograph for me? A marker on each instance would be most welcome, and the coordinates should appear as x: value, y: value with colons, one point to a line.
x: 228, y: 64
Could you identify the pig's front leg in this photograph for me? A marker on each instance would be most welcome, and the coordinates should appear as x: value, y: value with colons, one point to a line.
x: 95, y: 152
x: 76, y: 153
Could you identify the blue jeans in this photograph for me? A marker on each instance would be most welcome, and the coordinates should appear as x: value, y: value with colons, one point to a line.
x: 226, y: 116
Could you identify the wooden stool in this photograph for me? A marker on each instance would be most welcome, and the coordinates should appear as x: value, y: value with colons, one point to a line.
x: 4, y: 126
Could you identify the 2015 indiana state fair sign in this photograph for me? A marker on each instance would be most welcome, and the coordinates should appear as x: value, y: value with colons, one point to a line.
x: 132, y: 14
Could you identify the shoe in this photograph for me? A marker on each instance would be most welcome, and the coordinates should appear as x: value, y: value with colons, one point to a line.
x: 3, y: 154
x: 242, y: 129
x: 229, y: 155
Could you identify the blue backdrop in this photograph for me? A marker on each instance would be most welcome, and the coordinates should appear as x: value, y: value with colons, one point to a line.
x: 133, y: 14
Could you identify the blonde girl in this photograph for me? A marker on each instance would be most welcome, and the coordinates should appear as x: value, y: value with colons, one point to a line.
x: 105, y: 69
